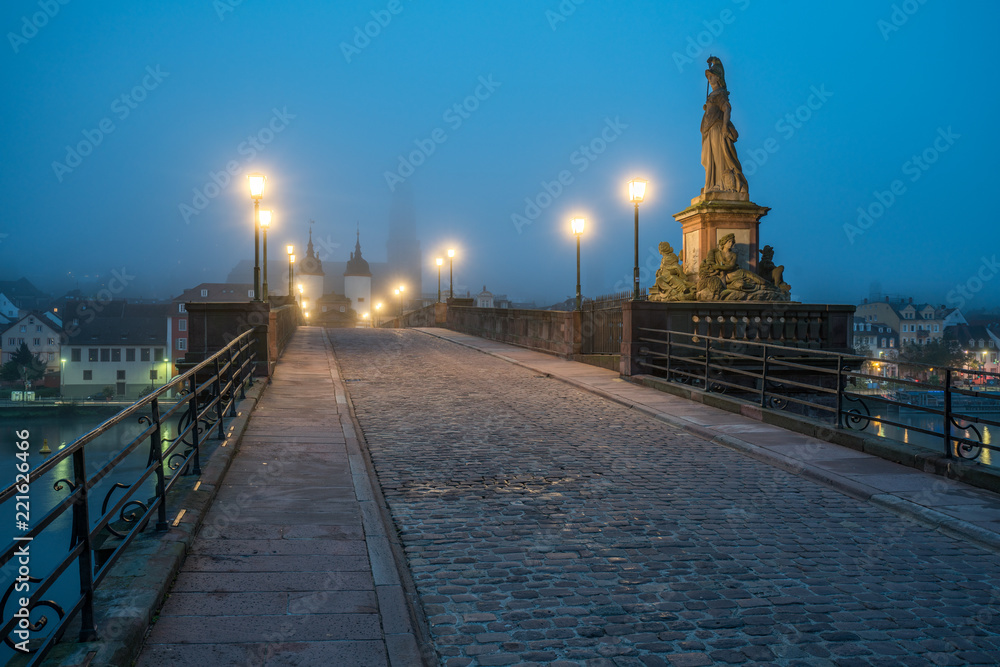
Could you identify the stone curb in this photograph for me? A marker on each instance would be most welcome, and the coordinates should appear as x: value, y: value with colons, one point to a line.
x: 125, y: 606
x: 404, y: 625
x: 951, y: 526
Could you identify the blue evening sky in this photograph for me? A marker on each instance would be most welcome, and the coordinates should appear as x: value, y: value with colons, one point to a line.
x: 895, y: 80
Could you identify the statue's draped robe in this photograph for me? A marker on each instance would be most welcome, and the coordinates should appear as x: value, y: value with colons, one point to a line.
x: 723, y: 170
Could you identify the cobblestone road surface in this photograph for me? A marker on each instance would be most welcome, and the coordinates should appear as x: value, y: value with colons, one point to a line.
x: 547, y: 525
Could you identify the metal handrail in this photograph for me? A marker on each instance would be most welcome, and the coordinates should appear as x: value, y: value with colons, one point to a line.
x: 208, y: 402
x: 781, y: 375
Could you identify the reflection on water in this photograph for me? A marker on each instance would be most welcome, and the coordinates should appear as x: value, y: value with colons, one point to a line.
x: 934, y: 423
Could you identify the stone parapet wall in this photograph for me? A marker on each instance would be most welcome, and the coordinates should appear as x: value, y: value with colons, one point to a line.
x: 557, y: 332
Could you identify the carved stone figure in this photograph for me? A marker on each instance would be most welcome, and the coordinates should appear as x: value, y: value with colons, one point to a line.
x: 723, y: 171
x: 721, y: 279
x: 671, y: 283
x: 771, y: 273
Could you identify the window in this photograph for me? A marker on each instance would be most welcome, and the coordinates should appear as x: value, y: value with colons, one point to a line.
x: 324, y: 309
x: 152, y: 374
x: 157, y: 354
x: 992, y: 344
x: 116, y: 354
x: 204, y: 292
x: 36, y: 341
x: 892, y: 342
x: 105, y: 354
x: 51, y: 341
x: 22, y: 328
x: 343, y: 310
x: 38, y: 328
x: 250, y: 293
x: 92, y: 354
x: 883, y: 342
x: 361, y: 299
x: 182, y: 325
x: 144, y: 354
x: 182, y: 343
x: 88, y: 375
x: 130, y: 354
x: 181, y: 308
x: 121, y: 375
x: 981, y: 343
x: 74, y: 354
x: 937, y: 328
x: 11, y: 341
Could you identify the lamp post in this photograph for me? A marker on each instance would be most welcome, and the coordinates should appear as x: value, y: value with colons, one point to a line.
x: 265, y: 224
x: 378, y: 308
x: 399, y: 292
x: 62, y: 377
x: 636, y: 192
x: 290, y: 249
x: 577, y: 225
x: 256, y: 192
x: 300, y: 294
x: 439, y: 262
x: 451, y: 273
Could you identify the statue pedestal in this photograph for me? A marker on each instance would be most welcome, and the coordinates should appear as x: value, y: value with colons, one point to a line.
x: 713, y: 215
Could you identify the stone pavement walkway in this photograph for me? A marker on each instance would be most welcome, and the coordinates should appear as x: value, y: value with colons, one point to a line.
x: 548, y: 525
x: 951, y: 507
x: 292, y: 565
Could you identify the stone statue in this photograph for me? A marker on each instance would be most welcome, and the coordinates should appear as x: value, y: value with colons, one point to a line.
x: 671, y: 283
x: 721, y: 279
x: 771, y: 273
x: 723, y: 172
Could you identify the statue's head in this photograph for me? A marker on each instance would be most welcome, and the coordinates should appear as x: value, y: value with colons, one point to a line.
x: 727, y: 239
x: 716, y: 69
x: 668, y: 253
x: 767, y: 252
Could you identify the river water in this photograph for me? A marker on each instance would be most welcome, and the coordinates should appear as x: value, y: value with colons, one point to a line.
x: 51, y: 546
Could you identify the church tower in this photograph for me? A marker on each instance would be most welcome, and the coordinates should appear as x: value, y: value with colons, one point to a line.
x: 402, y: 246
x: 310, y: 275
x: 358, y: 281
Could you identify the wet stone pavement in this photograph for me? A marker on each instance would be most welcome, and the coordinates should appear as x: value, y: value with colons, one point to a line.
x: 547, y: 525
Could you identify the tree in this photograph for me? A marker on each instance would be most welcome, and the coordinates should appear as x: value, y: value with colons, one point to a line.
x: 934, y: 353
x: 22, y: 367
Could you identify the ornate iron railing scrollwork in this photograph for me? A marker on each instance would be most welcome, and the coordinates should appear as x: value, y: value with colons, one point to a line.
x: 123, y: 514
x: 32, y: 628
x: 968, y: 450
x: 852, y: 417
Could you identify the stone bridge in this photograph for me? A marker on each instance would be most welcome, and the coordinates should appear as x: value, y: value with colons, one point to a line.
x: 425, y: 497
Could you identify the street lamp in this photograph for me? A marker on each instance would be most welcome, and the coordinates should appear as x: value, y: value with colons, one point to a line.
x: 62, y: 377
x: 636, y: 193
x: 399, y: 292
x: 451, y: 273
x: 577, y: 225
x: 300, y: 294
x: 256, y: 192
x: 439, y: 263
x: 265, y: 224
x: 364, y: 316
x: 291, y: 275
x: 378, y: 308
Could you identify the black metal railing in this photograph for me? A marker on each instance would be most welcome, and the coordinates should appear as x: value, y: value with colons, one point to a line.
x: 204, y: 397
x: 601, y: 324
x: 952, y: 407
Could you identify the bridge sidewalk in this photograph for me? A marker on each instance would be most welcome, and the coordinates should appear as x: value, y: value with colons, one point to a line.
x: 293, y: 565
x: 950, y: 507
